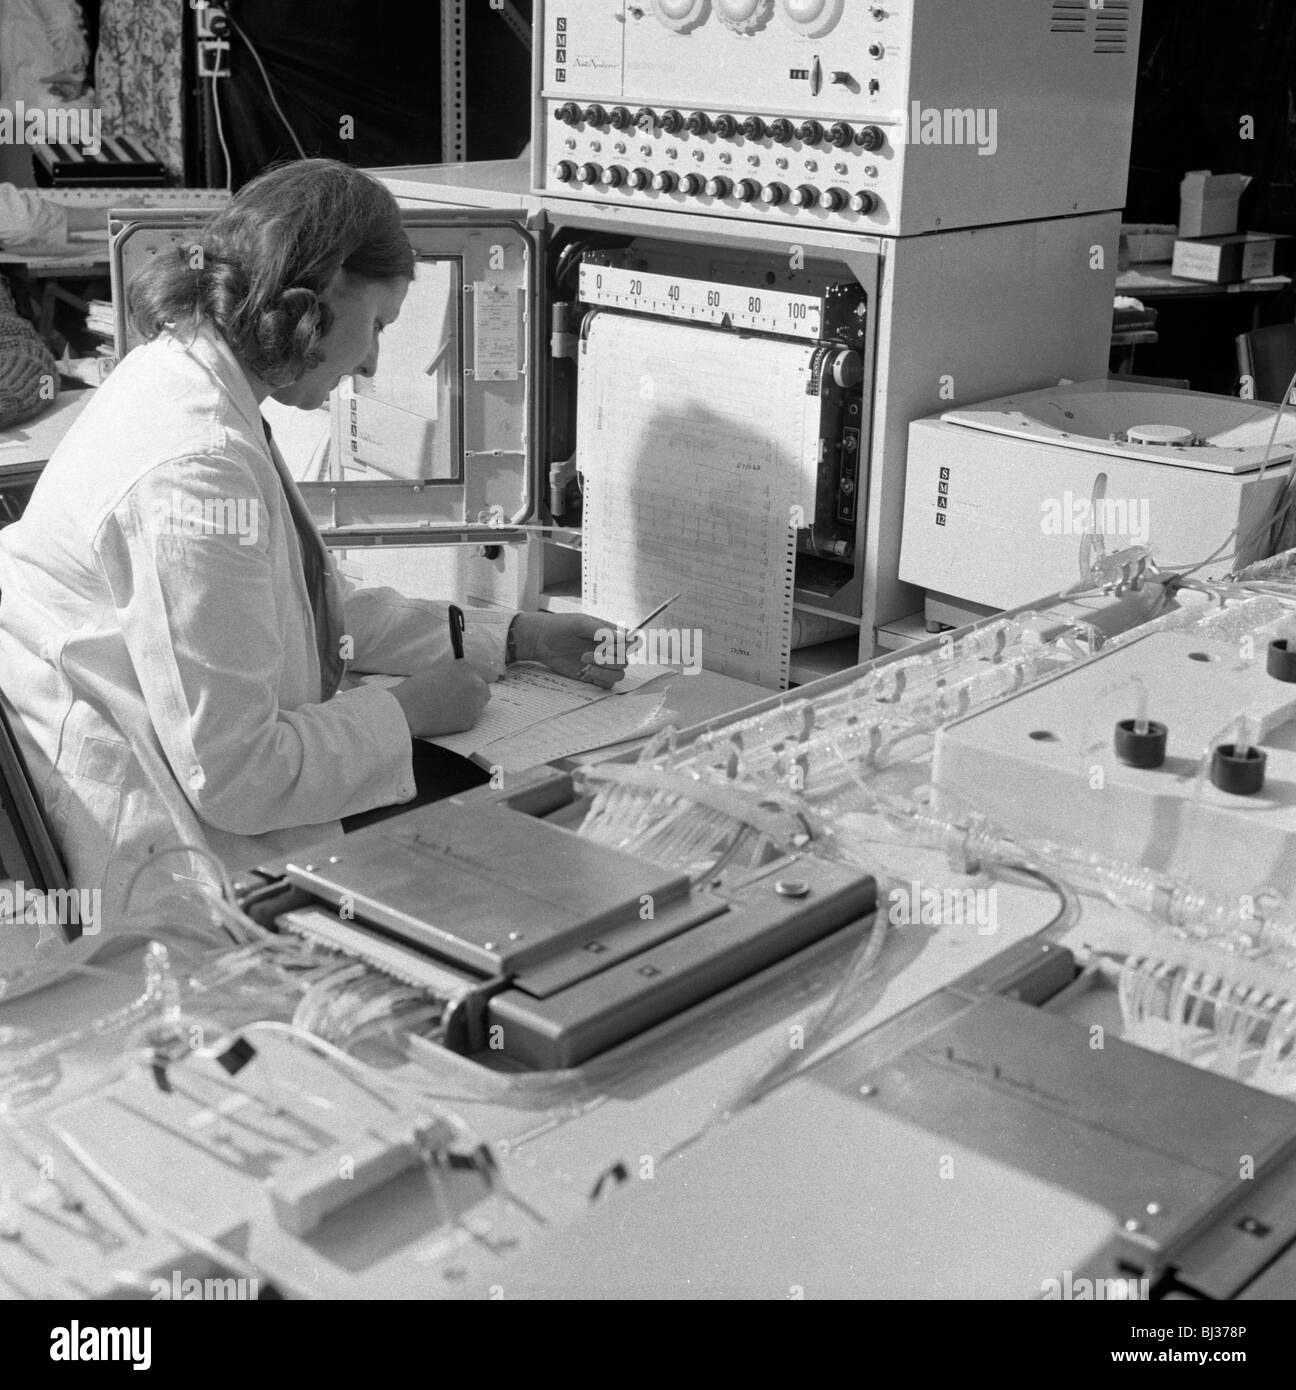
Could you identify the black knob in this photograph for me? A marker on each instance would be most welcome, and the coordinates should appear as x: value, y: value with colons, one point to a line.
x: 569, y: 113
x: 726, y: 126
x: 780, y: 130
x: 664, y: 181
x: 613, y: 176
x: 719, y: 187
x: 638, y: 178
x: 804, y: 196
x: 588, y: 173
x: 672, y: 121
x: 754, y: 128
x: 595, y: 115
x: 698, y: 123
x: 833, y: 199
x: 621, y: 117
x: 863, y: 201
x: 840, y: 135
x: 871, y: 137
x: 810, y: 132
x: 646, y: 118
x: 774, y: 194
x: 690, y: 183
x: 747, y: 190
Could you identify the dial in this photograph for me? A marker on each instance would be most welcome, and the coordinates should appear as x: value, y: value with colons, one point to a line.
x: 833, y: 199
x: 621, y: 117
x: 718, y: 187
x: 638, y: 178
x: 780, y: 130
x: 664, y: 181
x: 588, y: 173
x: 564, y: 171
x: 690, y: 183
x: 747, y: 190
x: 871, y: 137
x: 672, y: 122
x: 595, y: 115
x: 698, y: 123
x: 645, y: 118
x: 840, y: 135
x: 726, y: 126
x: 774, y: 194
x: 569, y: 113
x: 811, y: 18
x: 681, y: 15
x: 744, y: 16
x: 613, y: 176
x: 804, y: 195
x: 754, y: 128
x: 863, y: 201
x: 810, y: 132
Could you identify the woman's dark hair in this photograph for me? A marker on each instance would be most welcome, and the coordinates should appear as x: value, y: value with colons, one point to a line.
x: 259, y: 266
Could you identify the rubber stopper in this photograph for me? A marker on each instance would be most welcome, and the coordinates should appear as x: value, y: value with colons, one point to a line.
x: 1141, y: 750
x: 1241, y: 776
x: 1281, y: 661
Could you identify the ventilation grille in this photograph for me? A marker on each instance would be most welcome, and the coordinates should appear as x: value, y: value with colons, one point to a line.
x: 1111, y: 22
x: 1112, y: 27
x: 1070, y: 16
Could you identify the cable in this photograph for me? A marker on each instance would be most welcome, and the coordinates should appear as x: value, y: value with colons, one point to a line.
x: 220, y: 129
x: 226, y: 883
x: 1281, y: 508
x: 270, y: 92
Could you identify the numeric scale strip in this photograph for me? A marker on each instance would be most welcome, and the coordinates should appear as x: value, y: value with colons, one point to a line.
x: 754, y: 308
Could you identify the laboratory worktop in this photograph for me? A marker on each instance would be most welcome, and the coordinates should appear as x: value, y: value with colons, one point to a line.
x: 1005, y: 1072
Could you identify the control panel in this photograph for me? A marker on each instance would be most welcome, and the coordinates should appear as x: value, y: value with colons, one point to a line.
x: 898, y: 117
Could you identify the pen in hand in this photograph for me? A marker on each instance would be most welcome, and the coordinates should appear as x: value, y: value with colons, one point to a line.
x: 456, y: 617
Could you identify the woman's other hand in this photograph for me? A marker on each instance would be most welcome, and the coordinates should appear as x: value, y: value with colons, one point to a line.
x: 573, y: 644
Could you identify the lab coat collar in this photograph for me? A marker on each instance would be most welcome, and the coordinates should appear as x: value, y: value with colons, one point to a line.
x: 209, y: 349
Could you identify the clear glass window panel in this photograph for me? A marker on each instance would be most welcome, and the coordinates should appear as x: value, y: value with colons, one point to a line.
x: 409, y: 417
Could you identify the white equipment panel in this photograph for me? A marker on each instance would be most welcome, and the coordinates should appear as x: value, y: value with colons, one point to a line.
x: 999, y: 497
x: 902, y: 117
x: 1042, y: 762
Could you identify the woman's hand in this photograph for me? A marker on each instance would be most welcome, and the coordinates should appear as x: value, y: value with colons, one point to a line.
x: 445, y: 699
x: 572, y: 644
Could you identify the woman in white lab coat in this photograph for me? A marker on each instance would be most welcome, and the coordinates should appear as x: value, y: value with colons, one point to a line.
x: 172, y: 632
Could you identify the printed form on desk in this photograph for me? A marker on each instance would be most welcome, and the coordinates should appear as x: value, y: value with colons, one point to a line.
x: 690, y: 478
x: 536, y: 716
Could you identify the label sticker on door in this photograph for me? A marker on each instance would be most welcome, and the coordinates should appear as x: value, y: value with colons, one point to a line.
x: 495, y: 335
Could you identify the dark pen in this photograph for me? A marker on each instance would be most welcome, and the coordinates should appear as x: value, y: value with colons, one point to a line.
x: 456, y: 617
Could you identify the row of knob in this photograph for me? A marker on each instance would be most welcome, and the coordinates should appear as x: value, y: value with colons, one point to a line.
x: 781, y: 130
x: 743, y: 190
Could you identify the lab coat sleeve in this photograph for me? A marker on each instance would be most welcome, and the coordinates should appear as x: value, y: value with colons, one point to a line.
x: 398, y: 636
x: 200, y: 617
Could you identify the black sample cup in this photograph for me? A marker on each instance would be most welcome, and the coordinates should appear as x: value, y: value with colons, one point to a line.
x: 1243, y: 776
x: 1281, y: 661
x: 1141, y: 750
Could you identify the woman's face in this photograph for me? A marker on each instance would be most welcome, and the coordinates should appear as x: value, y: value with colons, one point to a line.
x: 361, y: 310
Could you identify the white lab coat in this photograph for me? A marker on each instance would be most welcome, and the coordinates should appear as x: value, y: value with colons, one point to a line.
x: 165, y: 687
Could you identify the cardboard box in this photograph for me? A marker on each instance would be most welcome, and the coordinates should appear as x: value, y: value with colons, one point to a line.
x: 1222, y: 260
x: 1142, y: 242
x: 1208, y: 203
